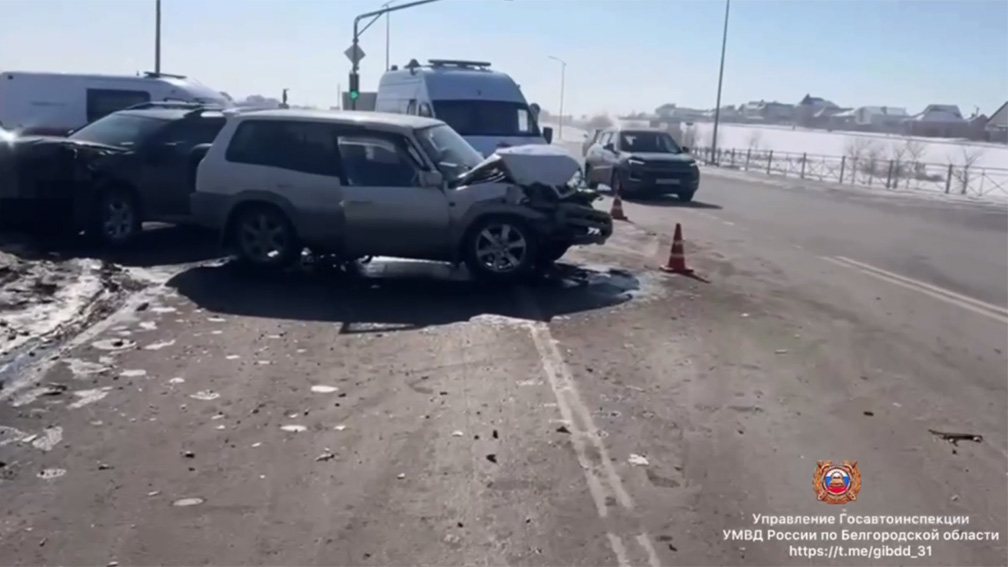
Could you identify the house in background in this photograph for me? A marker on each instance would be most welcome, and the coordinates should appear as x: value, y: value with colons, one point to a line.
x: 880, y: 118
x: 996, y: 129
x: 768, y: 112
x: 809, y: 110
x: 938, y: 121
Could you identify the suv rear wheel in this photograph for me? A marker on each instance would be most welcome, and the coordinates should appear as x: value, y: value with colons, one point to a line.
x: 501, y: 249
x: 264, y: 238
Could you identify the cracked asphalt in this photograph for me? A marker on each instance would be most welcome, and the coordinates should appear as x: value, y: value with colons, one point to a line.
x: 613, y: 415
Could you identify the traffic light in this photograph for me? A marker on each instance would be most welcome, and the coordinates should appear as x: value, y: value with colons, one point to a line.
x: 354, y: 86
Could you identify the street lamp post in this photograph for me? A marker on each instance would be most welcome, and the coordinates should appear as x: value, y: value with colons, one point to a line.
x: 157, y: 36
x: 720, y: 81
x: 563, y: 79
x: 388, y: 33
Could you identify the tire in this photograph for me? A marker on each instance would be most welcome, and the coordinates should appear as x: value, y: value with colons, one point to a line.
x: 587, y: 179
x: 263, y: 238
x: 686, y: 197
x: 478, y: 250
x: 117, y: 220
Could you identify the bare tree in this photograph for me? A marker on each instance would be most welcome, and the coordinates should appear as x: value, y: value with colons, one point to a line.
x: 961, y: 171
x: 914, y: 151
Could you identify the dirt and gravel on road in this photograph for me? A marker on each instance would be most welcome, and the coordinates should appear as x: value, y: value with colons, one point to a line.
x: 612, y: 414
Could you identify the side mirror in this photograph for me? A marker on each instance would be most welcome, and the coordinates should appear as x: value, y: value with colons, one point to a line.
x: 547, y: 133
x: 685, y: 150
x: 431, y: 178
x: 609, y: 147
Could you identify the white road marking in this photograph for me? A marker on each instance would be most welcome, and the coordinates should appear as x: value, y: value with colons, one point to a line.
x: 617, y: 546
x: 645, y: 542
x: 569, y: 402
x: 999, y: 314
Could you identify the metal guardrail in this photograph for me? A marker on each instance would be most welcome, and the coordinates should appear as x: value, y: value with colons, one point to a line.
x: 865, y: 171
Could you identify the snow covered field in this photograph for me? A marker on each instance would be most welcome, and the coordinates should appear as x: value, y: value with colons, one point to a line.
x: 784, y: 139
x: 818, y: 142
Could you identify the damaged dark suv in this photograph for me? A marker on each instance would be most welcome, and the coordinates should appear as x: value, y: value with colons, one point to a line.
x: 111, y: 175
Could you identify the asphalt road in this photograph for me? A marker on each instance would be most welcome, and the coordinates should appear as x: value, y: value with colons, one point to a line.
x: 613, y: 415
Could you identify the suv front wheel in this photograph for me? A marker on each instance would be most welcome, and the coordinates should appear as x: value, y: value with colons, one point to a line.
x: 264, y: 238
x: 117, y: 220
x: 501, y: 249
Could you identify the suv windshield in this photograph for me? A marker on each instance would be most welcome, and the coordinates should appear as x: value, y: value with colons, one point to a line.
x: 652, y: 142
x: 122, y: 130
x: 452, y: 154
x: 487, y: 117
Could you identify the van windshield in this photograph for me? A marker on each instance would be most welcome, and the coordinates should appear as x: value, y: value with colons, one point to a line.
x: 487, y: 117
x: 122, y: 130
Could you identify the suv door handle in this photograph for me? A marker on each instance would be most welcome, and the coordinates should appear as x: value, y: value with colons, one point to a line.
x: 283, y: 186
x: 360, y: 202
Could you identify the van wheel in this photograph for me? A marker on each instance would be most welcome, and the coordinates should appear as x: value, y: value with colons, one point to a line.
x: 500, y: 249
x: 117, y: 220
x: 264, y: 238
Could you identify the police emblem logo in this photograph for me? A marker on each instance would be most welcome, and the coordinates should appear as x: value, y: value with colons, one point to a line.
x: 837, y: 484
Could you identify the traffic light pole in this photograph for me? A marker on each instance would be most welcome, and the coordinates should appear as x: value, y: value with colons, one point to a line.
x: 354, y: 77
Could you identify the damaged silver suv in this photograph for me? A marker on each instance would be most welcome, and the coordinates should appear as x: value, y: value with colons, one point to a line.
x: 360, y: 184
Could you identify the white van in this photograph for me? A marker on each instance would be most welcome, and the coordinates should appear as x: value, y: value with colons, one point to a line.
x: 485, y: 106
x: 55, y: 103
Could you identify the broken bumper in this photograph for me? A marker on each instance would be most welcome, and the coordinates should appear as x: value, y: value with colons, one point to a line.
x: 579, y: 224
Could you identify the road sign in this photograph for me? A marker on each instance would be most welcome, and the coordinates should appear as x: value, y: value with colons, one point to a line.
x: 354, y: 53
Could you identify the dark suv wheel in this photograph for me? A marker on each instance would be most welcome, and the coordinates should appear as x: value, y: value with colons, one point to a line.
x: 117, y: 218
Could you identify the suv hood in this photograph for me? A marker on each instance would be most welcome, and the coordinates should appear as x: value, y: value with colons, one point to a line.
x: 537, y: 164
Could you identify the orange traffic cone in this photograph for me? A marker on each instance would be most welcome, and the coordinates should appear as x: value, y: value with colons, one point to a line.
x: 616, y: 212
x: 677, y: 256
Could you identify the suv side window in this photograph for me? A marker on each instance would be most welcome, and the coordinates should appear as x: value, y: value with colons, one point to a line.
x: 604, y: 138
x: 425, y: 110
x: 102, y: 102
x: 307, y: 147
x: 377, y: 160
x: 190, y: 132
x: 411, y: 108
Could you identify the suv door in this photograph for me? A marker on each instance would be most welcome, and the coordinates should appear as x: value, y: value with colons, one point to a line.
x: 388, y: 212
x: 596, y: 159
x: 165, y: 180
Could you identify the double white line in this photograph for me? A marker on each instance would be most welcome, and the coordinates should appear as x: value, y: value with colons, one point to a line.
x: 999, y: 314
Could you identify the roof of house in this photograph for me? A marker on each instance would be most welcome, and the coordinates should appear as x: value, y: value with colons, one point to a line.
x: 886, y: 110
x: 809, y: 100
x: 940, y: 113
x: 999, y: 120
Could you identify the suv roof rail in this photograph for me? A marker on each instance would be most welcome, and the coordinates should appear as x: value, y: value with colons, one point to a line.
x: 195, y: 108
x: 155, y: 75
x: 461, y: 63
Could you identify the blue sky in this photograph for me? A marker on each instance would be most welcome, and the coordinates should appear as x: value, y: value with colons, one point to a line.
x: 622, y: 55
